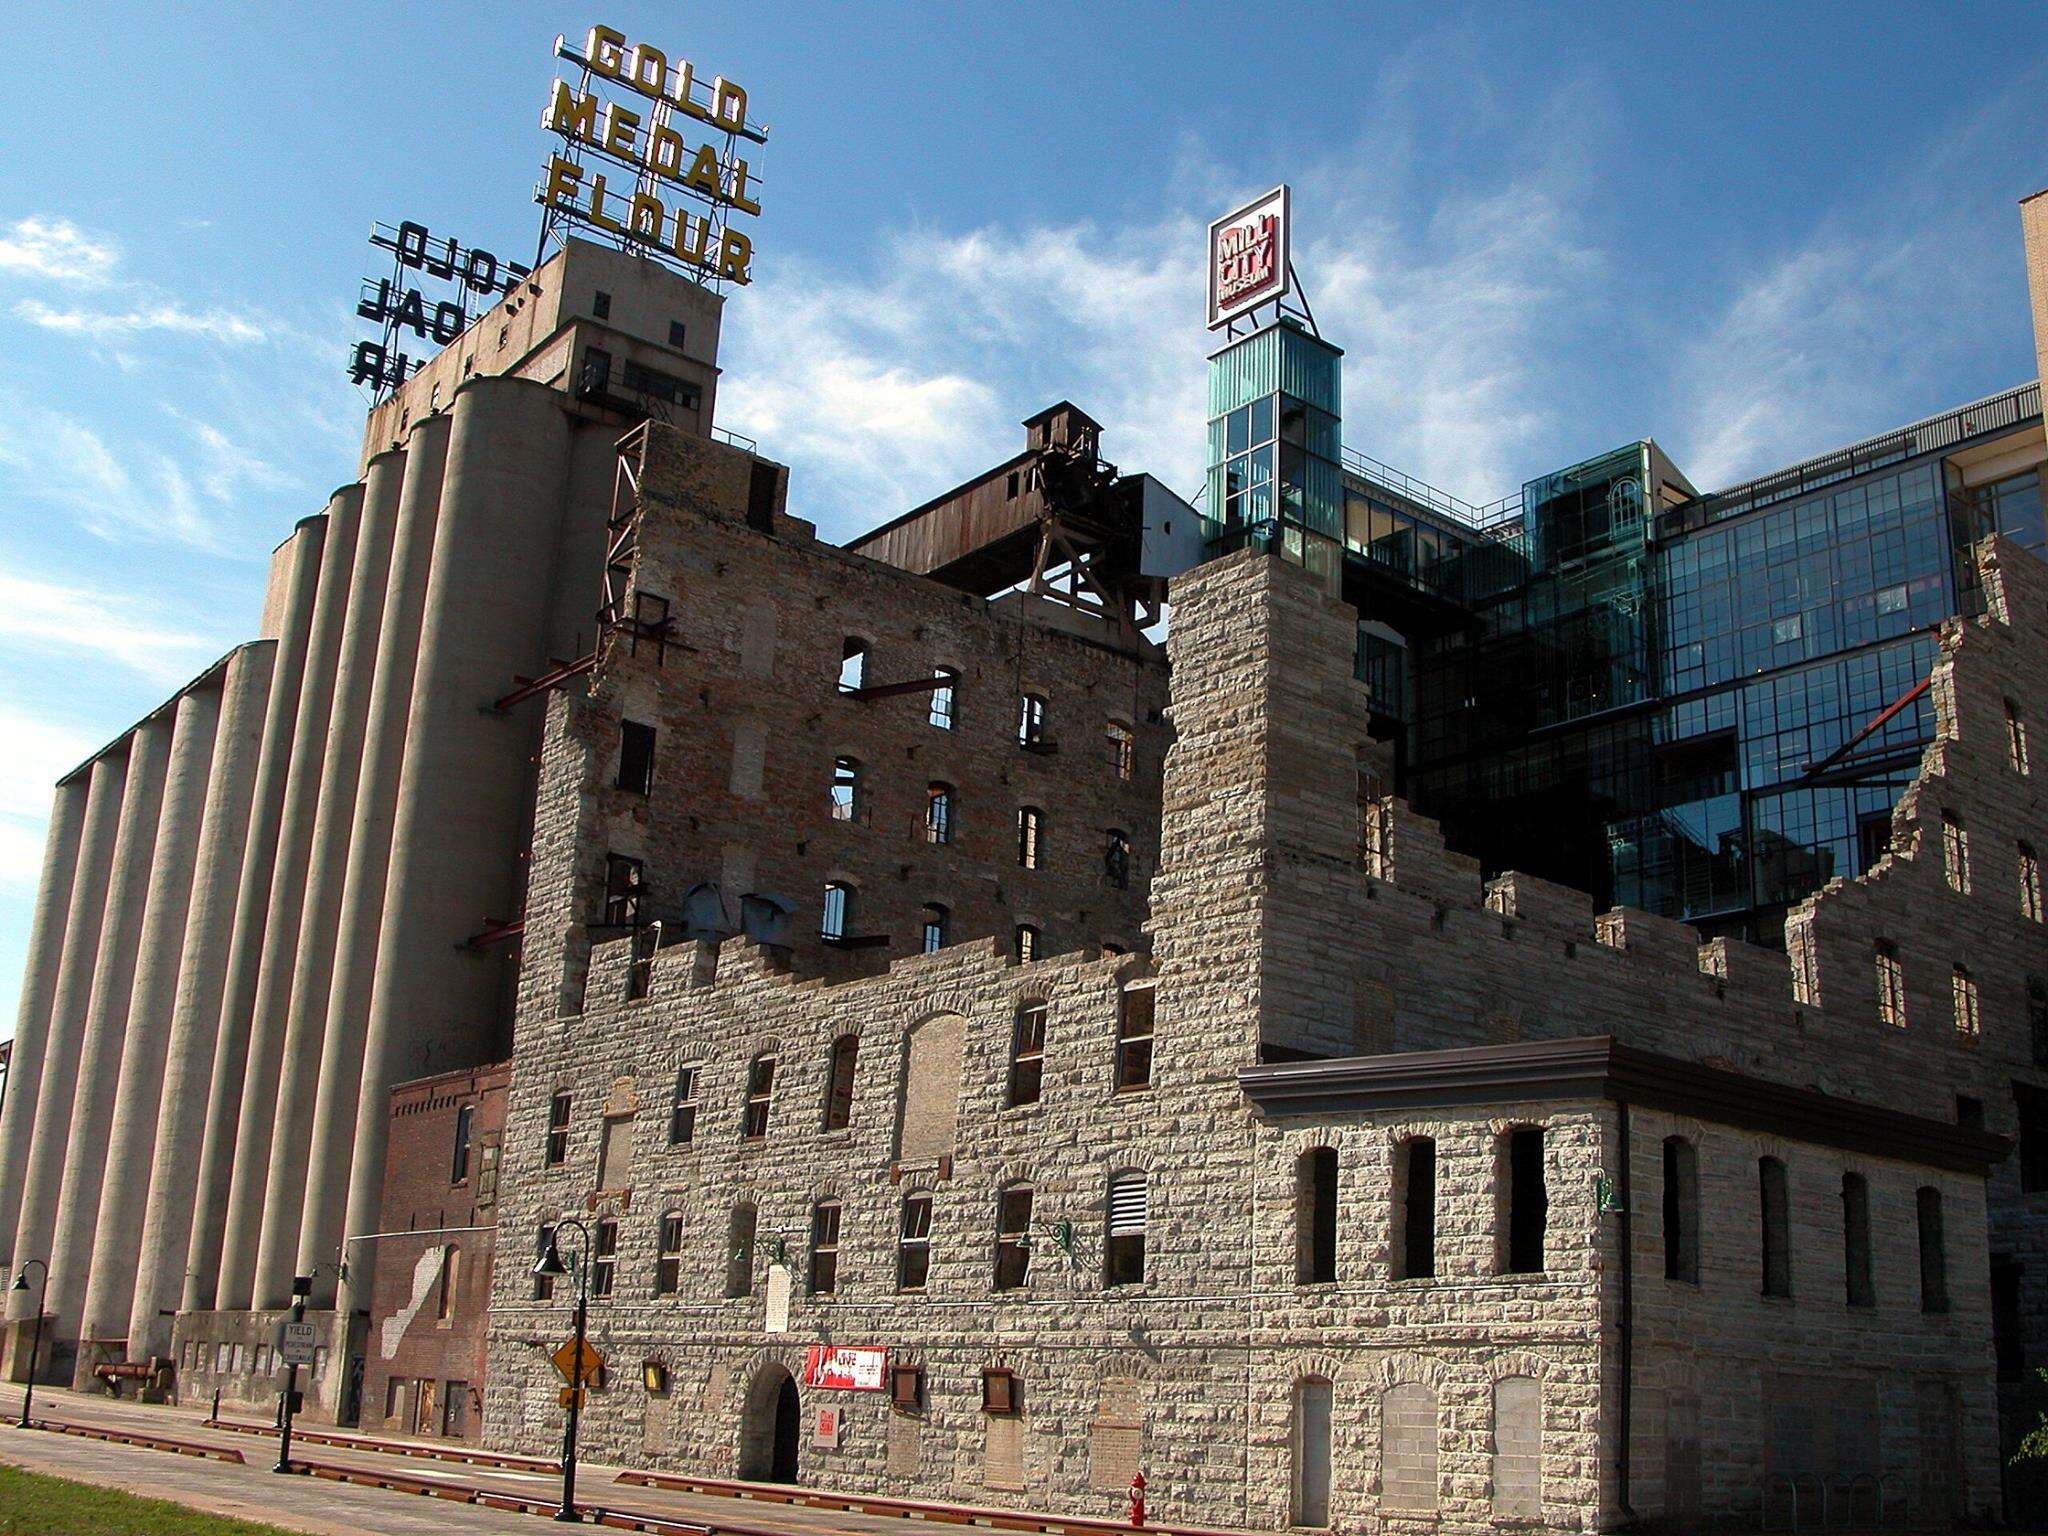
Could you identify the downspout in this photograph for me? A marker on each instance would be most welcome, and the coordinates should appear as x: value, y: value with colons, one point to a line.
x: 1627, y: 1329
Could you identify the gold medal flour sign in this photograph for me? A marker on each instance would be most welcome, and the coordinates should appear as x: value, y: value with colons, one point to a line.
x: 651, y: 155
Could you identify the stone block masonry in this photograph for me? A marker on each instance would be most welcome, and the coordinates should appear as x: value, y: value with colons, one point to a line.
x: 1438, y: 1202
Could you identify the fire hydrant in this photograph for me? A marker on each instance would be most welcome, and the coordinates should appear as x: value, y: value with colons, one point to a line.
x: 1138, y: 1502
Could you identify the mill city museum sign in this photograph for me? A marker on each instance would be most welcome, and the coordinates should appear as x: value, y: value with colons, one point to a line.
x: 1248, y: 257
x: 649, y: 156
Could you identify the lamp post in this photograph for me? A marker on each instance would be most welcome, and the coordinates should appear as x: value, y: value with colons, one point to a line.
x: 36, y: 1340
x: 551, y: 1267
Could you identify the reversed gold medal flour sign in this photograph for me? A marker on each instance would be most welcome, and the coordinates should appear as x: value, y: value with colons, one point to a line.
x: 652, y: 156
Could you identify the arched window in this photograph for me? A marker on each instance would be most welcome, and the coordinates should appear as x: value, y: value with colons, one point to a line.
x: 944, y: 680
x: 1116, y: 857
x: 845, y: 789
x: 938, y: 812
x: 682, y: 1109
x: 1123, y: 1251
x: 824, y: 1247
x: 465, y: 1129
x: 914, y: 1243
x: 1315, y: 1216
x: 1891, y: 985
x: 1776, y: 1229
x: 1408, y: 1435
x: 1933, y: 1251
x: 739, y: 1250
x: 1134, y: 1036
x: 1414, y: 1212
x: 1856, y: 1276
x: 451, y: 1265
x: 853, y: 664
x: 1528, y: 1200
x: 1122, y: 748
x: 1031, y: 720
x: 837, y: 913
x: 1030, y: 833
x: 1025, y: 943
x: 935, y: 921
x: 668, y: 1253
x: 1027, y: 1055
x: 558, y: 1130
x: 1681, y: 1211
x: 760, y: 1098
x: 1013, y: 1237
x: 839, y: 1083
x: 1309, y: 1454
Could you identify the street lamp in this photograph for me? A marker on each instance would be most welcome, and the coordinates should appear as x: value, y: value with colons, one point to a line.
x: 36, y: 1342
x: 550, y: 1267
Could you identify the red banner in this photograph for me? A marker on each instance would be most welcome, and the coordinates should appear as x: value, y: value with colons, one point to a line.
x: 846, y: 1367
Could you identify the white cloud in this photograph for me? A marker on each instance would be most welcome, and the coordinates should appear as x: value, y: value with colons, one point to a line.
x: 48, y: 618
x: 217, y: 325
x: 38, y: 750
x: 41, y: 245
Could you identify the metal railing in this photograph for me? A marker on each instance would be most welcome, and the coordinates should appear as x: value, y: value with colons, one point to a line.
x: 1995, y: 413
x: 1485, y: 520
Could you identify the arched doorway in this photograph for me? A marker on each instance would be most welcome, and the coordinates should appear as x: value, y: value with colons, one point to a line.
x: 772, y: 1427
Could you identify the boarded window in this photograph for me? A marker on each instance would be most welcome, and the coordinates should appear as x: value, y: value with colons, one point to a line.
x: 1309, y: 1458
x: 1408, y: 1448
x: 451, y: 1275
x: 1775, y: 1230
x: 825, y: 1248
x: 558, y: 1130
x: 615, y: 1157
x: 760, y: 1098
x: 1116, y: 1437
x: 1856, y: 1274
x: 1124, y: 1249
x: 668, y: 1261
x: 1134, y: 1036
x: 914, y: 1243
x: 1027, y: 1055
x: 1517, y: 1448
x: 1414, y: 1209
x: 1681, y: 1211
x: 739, y: 1250
x: 1933, y: 1251
x: 1030, y: 831
x: 931, y: 1088
x: 636, y: 757
x: 1315, y: 1216
x: 839, y: 1083
x: 1528, y: 1201
x: 682, y: 1109
x: 1013, y: 1237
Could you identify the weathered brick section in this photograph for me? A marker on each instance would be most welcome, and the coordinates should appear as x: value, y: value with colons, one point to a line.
x: 1268, y: 937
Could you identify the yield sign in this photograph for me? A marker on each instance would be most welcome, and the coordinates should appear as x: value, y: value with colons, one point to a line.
x: 578, y: 1369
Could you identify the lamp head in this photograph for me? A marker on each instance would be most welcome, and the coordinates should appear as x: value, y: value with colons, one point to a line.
x: 20, y: 1280
x: 550, y: 1265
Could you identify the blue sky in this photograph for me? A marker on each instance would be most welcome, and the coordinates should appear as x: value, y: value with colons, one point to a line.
x: 1751, y: 231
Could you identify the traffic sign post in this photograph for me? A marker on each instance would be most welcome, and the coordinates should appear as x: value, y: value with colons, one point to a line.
x: 297, y: 1342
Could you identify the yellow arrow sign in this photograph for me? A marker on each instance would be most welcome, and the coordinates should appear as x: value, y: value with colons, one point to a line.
x: 572, y: 1397
x: 578, y: 1370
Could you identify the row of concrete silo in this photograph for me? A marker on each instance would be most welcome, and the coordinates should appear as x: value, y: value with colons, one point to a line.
x: 255, y: 906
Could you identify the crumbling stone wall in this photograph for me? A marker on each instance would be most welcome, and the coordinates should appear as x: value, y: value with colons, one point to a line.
x: 1270, y: 937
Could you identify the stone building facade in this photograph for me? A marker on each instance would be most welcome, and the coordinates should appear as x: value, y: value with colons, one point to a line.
x: 1359, y: 1189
